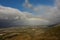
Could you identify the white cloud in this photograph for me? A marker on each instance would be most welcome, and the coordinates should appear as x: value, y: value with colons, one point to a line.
x: 50, y: 13
x: 38, y: 21
x: 16, y: 17
x: 45, y: 15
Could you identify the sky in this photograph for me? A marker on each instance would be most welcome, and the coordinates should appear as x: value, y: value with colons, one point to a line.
x: 29, y: 12
x: 18, y: 3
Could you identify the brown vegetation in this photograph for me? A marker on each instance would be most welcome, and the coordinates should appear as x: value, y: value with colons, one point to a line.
x: 32, y: 34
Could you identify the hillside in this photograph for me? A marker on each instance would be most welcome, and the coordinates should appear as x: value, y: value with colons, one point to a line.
x: 31, y: 33
x: 52, y: 34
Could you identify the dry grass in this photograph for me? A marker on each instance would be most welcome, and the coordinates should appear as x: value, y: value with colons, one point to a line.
x: 32, y: 34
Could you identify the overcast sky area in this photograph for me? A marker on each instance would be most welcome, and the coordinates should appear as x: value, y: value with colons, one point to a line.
x: 29, y: 12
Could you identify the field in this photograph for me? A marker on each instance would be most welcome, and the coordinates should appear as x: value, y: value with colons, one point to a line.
x: 30, y: 33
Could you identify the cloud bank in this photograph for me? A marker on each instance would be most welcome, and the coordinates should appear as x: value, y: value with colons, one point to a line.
x: 45, y: 15
x: 11, y: 16
x: 50, y: 13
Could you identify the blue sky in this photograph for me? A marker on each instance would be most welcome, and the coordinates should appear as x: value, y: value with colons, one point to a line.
x: 18, y: 3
